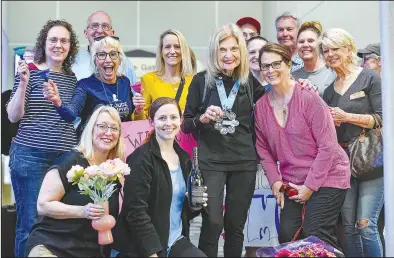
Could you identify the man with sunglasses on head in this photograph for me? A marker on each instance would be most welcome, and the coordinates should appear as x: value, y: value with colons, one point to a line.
x: 99, y: 24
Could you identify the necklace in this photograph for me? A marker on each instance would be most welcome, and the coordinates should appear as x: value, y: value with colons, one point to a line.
x: 115, y: 97
x: 282, y: 109
x: 174, y: 81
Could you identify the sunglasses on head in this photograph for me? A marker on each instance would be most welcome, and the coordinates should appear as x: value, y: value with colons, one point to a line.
x: 101, y: 37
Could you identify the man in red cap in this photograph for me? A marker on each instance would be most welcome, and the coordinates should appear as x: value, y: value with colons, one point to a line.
x: 250, y: 27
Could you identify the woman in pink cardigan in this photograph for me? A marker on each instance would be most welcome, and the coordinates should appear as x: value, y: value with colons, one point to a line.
x: 294, y: 127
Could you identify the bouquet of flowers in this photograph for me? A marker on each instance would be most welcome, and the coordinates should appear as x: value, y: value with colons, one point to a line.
x: 98, y: 182
x: 308, y: 247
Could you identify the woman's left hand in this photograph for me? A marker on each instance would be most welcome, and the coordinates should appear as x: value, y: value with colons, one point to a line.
x: 307, y: 84
x: 304, y: 193
x: 338, y: 115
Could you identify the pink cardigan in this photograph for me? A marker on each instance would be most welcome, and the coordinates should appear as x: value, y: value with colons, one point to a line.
x: 306, y: 148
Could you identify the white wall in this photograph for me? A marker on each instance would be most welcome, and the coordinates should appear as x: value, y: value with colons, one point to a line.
x: 139, y: 23
x: 361, y: 19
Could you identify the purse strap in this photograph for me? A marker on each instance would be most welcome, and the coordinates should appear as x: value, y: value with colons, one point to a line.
x: 180, y: 89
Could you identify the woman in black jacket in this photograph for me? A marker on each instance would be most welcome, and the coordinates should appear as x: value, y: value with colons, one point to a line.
x: 227, y: 154
x: 154, y: 220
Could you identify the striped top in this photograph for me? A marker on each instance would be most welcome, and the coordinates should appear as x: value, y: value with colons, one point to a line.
x: 41, y: 126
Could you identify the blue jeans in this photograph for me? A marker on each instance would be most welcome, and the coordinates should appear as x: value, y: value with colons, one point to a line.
x: 28, y: 167
x: 363, y: 201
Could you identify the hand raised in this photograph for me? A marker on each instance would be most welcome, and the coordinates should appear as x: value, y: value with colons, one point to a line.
x: 51, y: 93
x: 24, y: 72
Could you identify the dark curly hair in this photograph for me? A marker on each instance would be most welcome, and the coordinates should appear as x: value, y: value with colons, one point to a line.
x: 39, y: 48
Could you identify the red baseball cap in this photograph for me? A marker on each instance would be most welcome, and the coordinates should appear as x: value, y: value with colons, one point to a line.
x: 250, y: 20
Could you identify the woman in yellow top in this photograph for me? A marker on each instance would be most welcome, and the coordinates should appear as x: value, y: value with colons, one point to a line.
x: 175, y: 63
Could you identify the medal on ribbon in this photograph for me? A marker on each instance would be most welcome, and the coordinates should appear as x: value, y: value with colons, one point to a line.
x: 228, y: 123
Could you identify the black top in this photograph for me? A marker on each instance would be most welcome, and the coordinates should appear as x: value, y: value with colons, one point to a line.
x: 143, y: 226
x: 8, y: 129
x: 258, y: 89
x: 217, y: 152
x: 369, y: 82
x: 70, y: 237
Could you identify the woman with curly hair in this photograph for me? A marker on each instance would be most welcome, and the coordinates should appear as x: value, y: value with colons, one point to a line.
x: 42, y: 135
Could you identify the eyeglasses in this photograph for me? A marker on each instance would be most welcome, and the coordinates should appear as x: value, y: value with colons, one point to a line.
x: 101, y: 37
x: 54, y: 40
x: 251, y: 34
x: 104, y: 26
x: 104, y: 128
x: 274, y: 65
x: 103, y: 55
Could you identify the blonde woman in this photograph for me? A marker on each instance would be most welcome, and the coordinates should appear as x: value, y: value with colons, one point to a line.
x: 64, y: 227
x: 315, y: 68
x: 353, y: 97
x: 226, y: 150
x: 105, y: 86
x: 175, y: 67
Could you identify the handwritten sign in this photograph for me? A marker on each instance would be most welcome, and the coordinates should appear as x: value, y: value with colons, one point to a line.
x: 135, y: 133
x: 262, y: 224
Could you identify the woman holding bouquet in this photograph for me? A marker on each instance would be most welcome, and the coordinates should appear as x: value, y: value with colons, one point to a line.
x: 154, y: 220
x: 64, y: 227
x: 294, y: 127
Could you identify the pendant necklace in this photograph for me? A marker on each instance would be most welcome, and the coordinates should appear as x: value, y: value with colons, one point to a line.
x: 283, y: 109
x: 114, y: 97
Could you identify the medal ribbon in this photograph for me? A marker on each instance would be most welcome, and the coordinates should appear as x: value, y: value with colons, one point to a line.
x: 227, y: 102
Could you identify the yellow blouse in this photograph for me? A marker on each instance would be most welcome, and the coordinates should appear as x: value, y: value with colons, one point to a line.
x: 154, y: 87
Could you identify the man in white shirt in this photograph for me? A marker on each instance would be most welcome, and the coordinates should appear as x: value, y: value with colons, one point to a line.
x: 98, y: 24
x: 287, y: 26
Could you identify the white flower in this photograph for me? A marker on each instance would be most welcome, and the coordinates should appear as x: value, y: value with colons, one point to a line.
x: 73, y: 172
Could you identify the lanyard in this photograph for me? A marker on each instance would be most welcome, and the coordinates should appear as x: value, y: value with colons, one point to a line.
x: 227, y: 102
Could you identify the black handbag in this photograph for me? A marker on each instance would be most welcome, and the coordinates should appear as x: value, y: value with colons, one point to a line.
x: 366, y: 153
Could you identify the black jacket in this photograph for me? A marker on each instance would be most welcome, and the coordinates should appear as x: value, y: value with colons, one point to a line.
x: 231, y: 152
x: 143, y: 226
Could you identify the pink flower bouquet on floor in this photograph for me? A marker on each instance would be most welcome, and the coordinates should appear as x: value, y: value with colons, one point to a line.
x: 98, y: 182
x: 308, y: 247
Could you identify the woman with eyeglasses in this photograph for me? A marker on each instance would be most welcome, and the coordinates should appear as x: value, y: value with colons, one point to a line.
x: 175, y: 67
x: 105, y: 86
x: 42, y: 135
x: 64, y: 227
x: 294, y: 127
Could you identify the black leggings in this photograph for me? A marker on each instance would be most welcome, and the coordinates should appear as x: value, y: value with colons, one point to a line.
x: 239, y: 193
x: 321, y: 216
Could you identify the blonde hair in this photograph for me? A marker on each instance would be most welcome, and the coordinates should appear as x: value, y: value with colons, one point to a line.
x: 336, y: 38
x: 186, y: 63
x: 111, y: 42
x: 314, y: 26
x: 241, y: 72
x: 85, y: 145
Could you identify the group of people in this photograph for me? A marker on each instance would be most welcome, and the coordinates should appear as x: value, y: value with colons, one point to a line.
x: 291, y: 107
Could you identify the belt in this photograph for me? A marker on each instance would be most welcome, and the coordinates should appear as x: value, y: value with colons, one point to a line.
x: 344, y: 144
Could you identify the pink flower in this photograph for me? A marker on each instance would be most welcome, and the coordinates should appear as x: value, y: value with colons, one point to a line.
x: 107, y: 169
x: 121, y: 167
x: 92, y: 171
x: 283, y: 253
x: 75, y: 172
